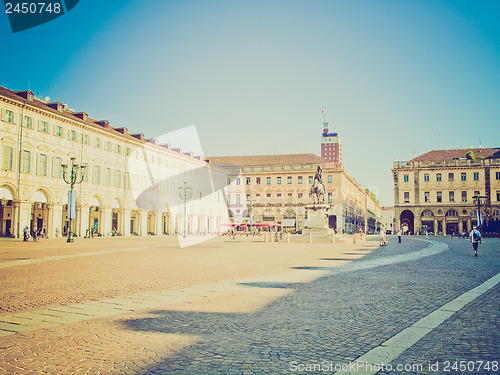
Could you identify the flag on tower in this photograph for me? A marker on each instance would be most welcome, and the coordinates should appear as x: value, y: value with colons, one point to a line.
x: 323, y: 111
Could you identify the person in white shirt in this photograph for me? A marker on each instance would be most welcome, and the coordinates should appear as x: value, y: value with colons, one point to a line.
x: 475, y: 239
x: 383, y: 241
x: 400, y: 233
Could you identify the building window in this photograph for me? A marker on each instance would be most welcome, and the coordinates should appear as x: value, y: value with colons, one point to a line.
x: 289, y: 198
x: 96, y: 175
x: 58, y: 131
x: 426, y: 177
x: 229, y: 181
x: 406, y: 178
x: 278, y: 196
x: 438, y: 177
x: 300, y: 179
x: 28, y: 122
x: 278, y: 181
x: 451, y: 195
x: 127, y: 153
x: 311, y: 179
x: 118, y: 149
x: 476, y: 176
x: 9, y: 116
x: 451, y: 177
x: 248, y: 181
x: 439, y: 197
x: 87, y: 172
x: 8, y: 158
x: 463, y: 176
x: 300, y: 197
x: 330, y: 179
x: 108, y: 146
x: 269, y: 180
x: 268, y: 198
x: 257, y: 180
x: 56, y: 167
x: 498, y: 195
x: 464, y: 196
x: 128, y: 184
x: 330, y: 198
x: 289, y: 180
x: 407, y: 197
x: 43, y: 126
x: 107, y: 177
x: 238, y: 199
x: 427, y: 197
x: 118, y: 179
x: 97, y: 142
x: 42, y: 165
x: 477, y: 193
x: 238, y: 181
x: 257, y: 198
x: 26, y: 162
x: 85, y: 139
x: 72, y: 135
x: 229, y: 199
x: 498, y: 175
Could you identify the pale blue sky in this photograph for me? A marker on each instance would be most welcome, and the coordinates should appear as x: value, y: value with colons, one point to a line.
x: 253, y: 76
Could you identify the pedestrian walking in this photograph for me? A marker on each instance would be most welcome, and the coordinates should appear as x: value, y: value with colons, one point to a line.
x: 26, y: 233
x: 475, y: 239
x: 400, y: 233
x: 383, y: 241
x: 34, y: 234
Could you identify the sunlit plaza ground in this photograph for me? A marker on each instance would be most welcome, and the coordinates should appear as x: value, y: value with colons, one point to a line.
x: 145, y: 305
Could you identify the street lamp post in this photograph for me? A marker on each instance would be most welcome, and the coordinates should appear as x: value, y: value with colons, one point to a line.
x: 185, y: 193
x: 480, y: 200
x: 250, y: 203
x: 72, y: 179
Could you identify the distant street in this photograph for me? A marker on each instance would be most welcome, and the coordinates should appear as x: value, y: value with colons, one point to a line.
x: 146, y: 306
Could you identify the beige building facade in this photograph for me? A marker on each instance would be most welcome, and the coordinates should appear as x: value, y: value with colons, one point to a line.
x: 131, y: 185
x: 275, y: 189
x: 435, y: 191
x: 388, y: 219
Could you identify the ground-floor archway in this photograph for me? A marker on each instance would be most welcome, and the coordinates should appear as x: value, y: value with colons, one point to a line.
x: 7, y: 212
x: 407, y: 220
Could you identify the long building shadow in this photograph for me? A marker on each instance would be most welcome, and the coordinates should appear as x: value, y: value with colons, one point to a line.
x: 335, y: 319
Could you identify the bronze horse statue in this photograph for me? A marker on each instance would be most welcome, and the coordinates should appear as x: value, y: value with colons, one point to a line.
x: 318, y: 188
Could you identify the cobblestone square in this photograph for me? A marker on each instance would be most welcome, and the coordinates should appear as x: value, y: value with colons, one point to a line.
x: 146, y: 306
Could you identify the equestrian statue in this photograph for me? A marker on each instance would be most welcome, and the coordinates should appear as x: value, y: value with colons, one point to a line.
x: 318, y: 188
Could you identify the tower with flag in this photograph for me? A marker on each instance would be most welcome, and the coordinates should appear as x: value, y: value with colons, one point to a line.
x: 331, y: 148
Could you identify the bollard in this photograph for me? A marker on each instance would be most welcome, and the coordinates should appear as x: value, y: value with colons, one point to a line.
x: 310, y: 238
x: 354, y: 239
x: 288, y: 238
x: 333, y: 237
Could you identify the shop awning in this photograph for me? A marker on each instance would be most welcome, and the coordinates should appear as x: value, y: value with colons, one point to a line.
x: 287, y: 222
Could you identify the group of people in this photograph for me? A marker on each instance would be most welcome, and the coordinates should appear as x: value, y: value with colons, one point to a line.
x: 474, y: 238
x: 35, y: 234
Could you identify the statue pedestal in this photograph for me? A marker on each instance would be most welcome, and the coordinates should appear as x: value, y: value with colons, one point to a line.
x: 316, y: 216
x: 317, y: 221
